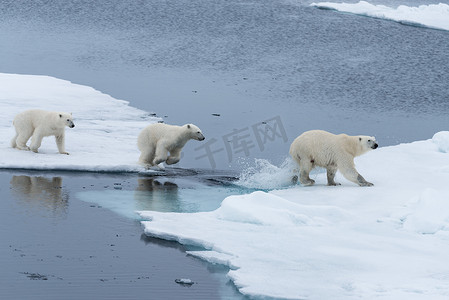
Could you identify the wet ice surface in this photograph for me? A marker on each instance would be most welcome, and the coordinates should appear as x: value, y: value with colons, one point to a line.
x: 182, y: 192
x: 55, y: 246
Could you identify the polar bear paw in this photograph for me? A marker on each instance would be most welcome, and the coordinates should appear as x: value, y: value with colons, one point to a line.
x: 308, y: 182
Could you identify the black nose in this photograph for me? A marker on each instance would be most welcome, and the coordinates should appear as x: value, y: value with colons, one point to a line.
x: 375, y: 146
x: 73, y: 125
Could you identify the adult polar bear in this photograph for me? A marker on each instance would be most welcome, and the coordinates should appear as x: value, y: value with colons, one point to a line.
x: 156, y: 140
x: 38, y: 124
x: 330, y: 151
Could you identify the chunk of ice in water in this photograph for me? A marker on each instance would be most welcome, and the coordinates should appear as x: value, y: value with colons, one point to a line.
x: 184, y: 281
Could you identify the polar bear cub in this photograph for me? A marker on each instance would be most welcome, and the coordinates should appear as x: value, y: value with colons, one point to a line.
x: 330, y: 151
x: 38, y: 124
x: 156, y: 140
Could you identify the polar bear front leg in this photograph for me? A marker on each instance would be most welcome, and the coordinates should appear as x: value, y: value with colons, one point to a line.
x: 351, y: 174
x: 60, y: 142
x: 362, y: 182
x: 331, y: 171
x: 161, y: 154
x: 174, y: 157
x: 36, y: 140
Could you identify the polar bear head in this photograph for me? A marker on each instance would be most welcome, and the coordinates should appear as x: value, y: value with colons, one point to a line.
x: 367, y: 143
x: 66, y: 119
x: 194, y: 132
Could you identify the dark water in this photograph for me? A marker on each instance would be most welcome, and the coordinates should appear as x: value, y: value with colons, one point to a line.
x: 248, y: 61
x: 54, y: 246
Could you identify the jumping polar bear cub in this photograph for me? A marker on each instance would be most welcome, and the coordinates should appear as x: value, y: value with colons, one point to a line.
x: 330, y: 151
x: 38, y: 124
x: 156, y: 140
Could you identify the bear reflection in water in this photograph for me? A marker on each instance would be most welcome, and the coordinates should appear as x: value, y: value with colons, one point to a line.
x: 40, y: 193
x: 152, y: 194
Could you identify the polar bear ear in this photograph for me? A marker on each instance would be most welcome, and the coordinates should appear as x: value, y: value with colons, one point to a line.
x: 360, y: 139
x: 60, y: 115
x: 188, y: 126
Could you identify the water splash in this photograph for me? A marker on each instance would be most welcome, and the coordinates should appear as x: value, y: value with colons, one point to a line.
x: 266, y: 176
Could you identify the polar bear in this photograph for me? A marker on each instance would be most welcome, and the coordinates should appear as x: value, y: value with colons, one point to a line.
x: 157, y: 139
x: 38, y: 124
x: 330, y: 151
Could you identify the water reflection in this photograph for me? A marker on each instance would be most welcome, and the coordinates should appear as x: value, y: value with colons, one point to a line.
x: 41, y: 193
x: 152, y: 194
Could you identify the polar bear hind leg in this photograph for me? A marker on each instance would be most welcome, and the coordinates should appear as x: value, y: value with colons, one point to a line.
x: 22, y: 138
x: 304, y: 170
x: 147, y: 156
x: 305, y: 166
x: 14, y: 141
x: 36, y: 140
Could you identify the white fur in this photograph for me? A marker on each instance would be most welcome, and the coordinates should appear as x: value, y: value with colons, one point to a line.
x: 156, y: 140
x: 38, y: 124
x: 330, y: 151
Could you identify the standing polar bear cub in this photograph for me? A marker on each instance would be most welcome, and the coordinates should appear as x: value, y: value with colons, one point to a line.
x: 330, y: 151
x: 156, y: 140
x: 38, y: 124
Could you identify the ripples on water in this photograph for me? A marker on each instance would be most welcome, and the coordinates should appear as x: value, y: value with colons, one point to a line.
x: 319, y: 55
x: 315, y: 68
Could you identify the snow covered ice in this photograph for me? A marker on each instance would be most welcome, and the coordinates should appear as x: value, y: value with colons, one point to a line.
x: 433, y: 16
x: 104, y: 138
x: 389, y: 241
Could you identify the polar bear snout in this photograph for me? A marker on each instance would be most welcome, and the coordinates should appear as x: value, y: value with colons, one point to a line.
x: 199, y: 136
x: 372, y: 143
x: 71, y: 125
